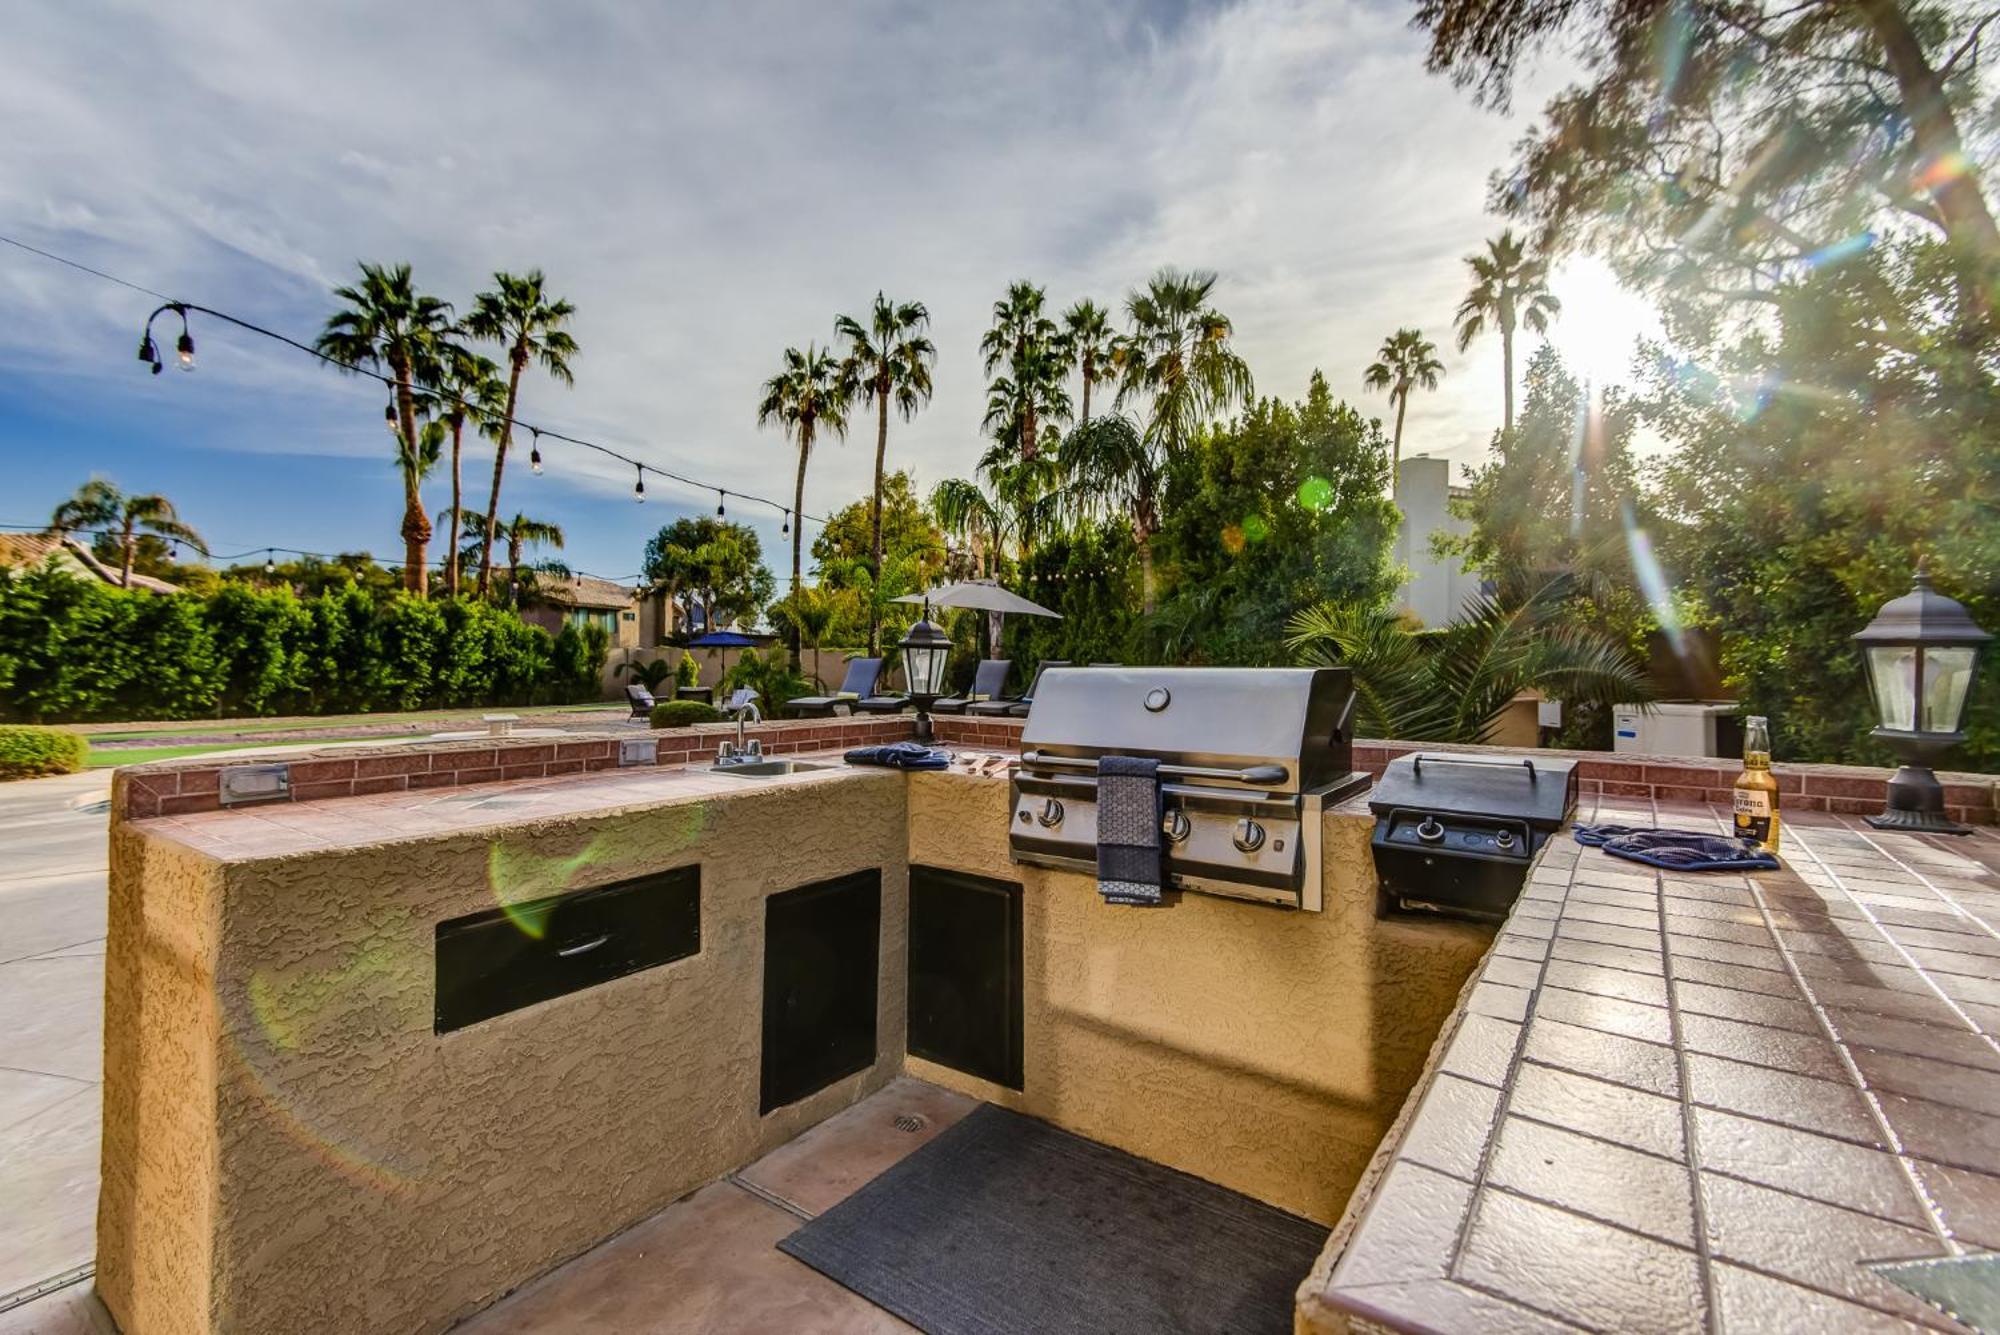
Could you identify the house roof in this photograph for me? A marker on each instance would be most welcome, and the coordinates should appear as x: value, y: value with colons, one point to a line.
x: 32, y: 549
x: 587, y: 591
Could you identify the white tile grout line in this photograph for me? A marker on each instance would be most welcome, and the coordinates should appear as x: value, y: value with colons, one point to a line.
x: 1956, y: 907
x: 1697, y: 1183
x: 1932, y: 1214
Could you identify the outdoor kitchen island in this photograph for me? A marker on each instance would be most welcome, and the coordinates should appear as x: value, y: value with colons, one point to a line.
x: 313, y: 1123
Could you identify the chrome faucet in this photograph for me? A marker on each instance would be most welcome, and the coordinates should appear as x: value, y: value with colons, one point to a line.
x: 742, y: 704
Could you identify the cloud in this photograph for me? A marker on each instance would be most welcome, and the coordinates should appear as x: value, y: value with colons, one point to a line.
x: 710, y: 183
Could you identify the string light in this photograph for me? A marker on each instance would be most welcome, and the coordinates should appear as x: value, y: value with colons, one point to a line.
x: 787, y: 529
x: 184, y: 349
x: 718, y: 503
x: 639, y: 488
x: 535, y: 452
x: 389, y: 413
x: 270, y: 561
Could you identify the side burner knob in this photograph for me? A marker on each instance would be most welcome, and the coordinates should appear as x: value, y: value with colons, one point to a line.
x: 1051, y: 814
x: 1177, y: 827
x: 1249, y: 835
x: 1430, y: 831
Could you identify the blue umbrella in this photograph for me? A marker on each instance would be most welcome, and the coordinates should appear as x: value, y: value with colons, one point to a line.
x: 722, y: 639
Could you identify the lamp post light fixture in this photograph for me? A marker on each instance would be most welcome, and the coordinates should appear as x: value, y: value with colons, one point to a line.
x: 1922, y: 656
x: 925, y: 650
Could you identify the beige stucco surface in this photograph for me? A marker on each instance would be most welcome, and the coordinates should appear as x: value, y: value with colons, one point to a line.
x: 1260, y: 1048
x: 288, y: 1145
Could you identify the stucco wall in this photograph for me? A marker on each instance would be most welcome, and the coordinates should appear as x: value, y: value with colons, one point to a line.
x: 290, y: 1148
x: 1262, y: 1049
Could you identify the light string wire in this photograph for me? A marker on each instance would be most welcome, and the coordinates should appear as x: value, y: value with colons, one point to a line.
x: 536, y: 432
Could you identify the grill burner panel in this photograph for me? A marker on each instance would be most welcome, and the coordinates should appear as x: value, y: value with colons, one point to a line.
x: 1456, y: 834
x: 1249, y: 759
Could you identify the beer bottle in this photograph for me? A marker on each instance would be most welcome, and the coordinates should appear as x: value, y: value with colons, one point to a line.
x: 1757, y: 788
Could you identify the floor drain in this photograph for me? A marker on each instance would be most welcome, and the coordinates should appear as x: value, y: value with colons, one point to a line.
x: 911, y: 1122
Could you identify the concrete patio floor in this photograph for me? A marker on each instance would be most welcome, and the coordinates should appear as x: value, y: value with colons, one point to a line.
x: 52, y: 905
x: 708, y: 1262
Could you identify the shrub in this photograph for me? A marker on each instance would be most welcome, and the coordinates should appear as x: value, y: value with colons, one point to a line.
x: 682, y: 713
x: 28, y: 752
x: 688, y: 672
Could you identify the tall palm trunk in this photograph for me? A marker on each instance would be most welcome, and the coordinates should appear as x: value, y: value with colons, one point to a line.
x: 1147, y: 603
x: 1088, y: 367
x: 1507, y: 362
x: 1028, y: 432
x: 881, y: 454
x: 798, y: 526
x: 516, y: 363
x: 416, y: 524
x: 1396, y: 449
x: 127, y: 541
x: 451, y: 544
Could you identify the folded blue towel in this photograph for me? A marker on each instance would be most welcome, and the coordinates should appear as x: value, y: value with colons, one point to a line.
x: 1677, y: 850
x: 900, y: 755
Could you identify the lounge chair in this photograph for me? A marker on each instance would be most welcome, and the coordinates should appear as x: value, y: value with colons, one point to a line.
x: 862, y: 674
x: 641, y: 700
x: 989, y: 683
x: 1015, y: 708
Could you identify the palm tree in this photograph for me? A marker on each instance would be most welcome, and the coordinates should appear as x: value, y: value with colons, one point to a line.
x: 519, y: 315
x: 1089, y: 344
x: 887, y: 358
x: 388, y: 323
x: 1407, y: 361
x: 98, y: 504
x: 521, y: 533
x: 807, y: 396
x: 1453, y: 684
x: 1179, y: 354
x: 1508, y: 290
x: 966, y: 513
x: 467, y: 385
x: 1030, y: 395
x: 1111, y: 468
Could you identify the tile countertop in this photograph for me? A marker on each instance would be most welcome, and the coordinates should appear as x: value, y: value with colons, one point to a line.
x: 284, y: 829
x: 1700, y: 1102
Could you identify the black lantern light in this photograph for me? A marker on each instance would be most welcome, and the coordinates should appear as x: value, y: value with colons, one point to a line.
x: 925, y: 650
x: 1922, y: 654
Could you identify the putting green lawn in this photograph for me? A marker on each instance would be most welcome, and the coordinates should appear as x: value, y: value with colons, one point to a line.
x: 126, y: 732
x: 100, y: 758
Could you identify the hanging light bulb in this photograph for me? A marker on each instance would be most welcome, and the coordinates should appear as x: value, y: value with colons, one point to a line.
x: 148, y: 353
x: 184, y: 349
x: 787, y: 529
x: 174, y: 549
x: 718, y: 503
x: 535, y: 452
x: 639, y: 488
x: 389, y: 412
x: 270, y: 563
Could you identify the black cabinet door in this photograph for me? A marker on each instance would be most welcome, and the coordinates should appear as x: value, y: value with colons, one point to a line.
x: 822, y: 957
x: 503, y: 959
x: 965, y: 973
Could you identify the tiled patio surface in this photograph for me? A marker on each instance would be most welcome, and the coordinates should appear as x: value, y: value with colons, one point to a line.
x: 1705, y: 1102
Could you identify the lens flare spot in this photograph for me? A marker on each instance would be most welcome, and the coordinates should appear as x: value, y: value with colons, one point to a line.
x: 1255, y: 528
x: 1942, y: 170
x: 1844, y: 249
x: 1315, y: 493
x: 1232, y: 539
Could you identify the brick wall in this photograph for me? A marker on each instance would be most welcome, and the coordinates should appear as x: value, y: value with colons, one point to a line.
x: 1851, y: 790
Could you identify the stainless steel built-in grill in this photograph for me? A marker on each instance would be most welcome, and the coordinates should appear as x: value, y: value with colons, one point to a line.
x: 1249, y: 757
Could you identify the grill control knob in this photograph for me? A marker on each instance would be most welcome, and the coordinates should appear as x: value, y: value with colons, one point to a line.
x: 1504, y: 839
x: 1177, y: 827
x: 1430, y: 831
x: 1051, y: 813
x: 1249, y: 835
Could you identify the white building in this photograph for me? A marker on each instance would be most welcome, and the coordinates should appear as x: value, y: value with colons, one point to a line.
x: 1437, y: 588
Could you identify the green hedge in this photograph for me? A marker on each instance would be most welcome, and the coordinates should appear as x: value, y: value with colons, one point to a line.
x: 75, y: 650
x: 682, y: 713
x: 28, y: 752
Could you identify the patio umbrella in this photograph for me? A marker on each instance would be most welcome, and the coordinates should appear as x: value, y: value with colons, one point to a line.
x: 982, y: 595
x: 722, y: 639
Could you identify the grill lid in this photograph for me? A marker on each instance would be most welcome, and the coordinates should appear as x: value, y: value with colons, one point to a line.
x: 1538, y: 791
x: 1225, y: 718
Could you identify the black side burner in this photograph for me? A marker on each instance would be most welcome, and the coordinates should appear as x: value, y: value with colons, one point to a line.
x: 1454, y: 834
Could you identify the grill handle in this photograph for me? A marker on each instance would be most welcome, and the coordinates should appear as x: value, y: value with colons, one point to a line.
x: 1417, y: 763
x: 1252, y: 774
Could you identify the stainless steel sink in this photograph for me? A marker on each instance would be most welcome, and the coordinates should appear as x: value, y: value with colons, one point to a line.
x: 767, y: 769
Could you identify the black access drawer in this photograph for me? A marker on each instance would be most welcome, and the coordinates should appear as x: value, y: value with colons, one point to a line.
x: 500, y: 960
x: 965, y: 973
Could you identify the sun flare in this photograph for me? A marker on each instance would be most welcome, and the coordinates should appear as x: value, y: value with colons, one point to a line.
x: 1601, y: 320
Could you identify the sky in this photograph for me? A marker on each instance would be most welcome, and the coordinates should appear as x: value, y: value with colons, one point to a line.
x: 708, y: 183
